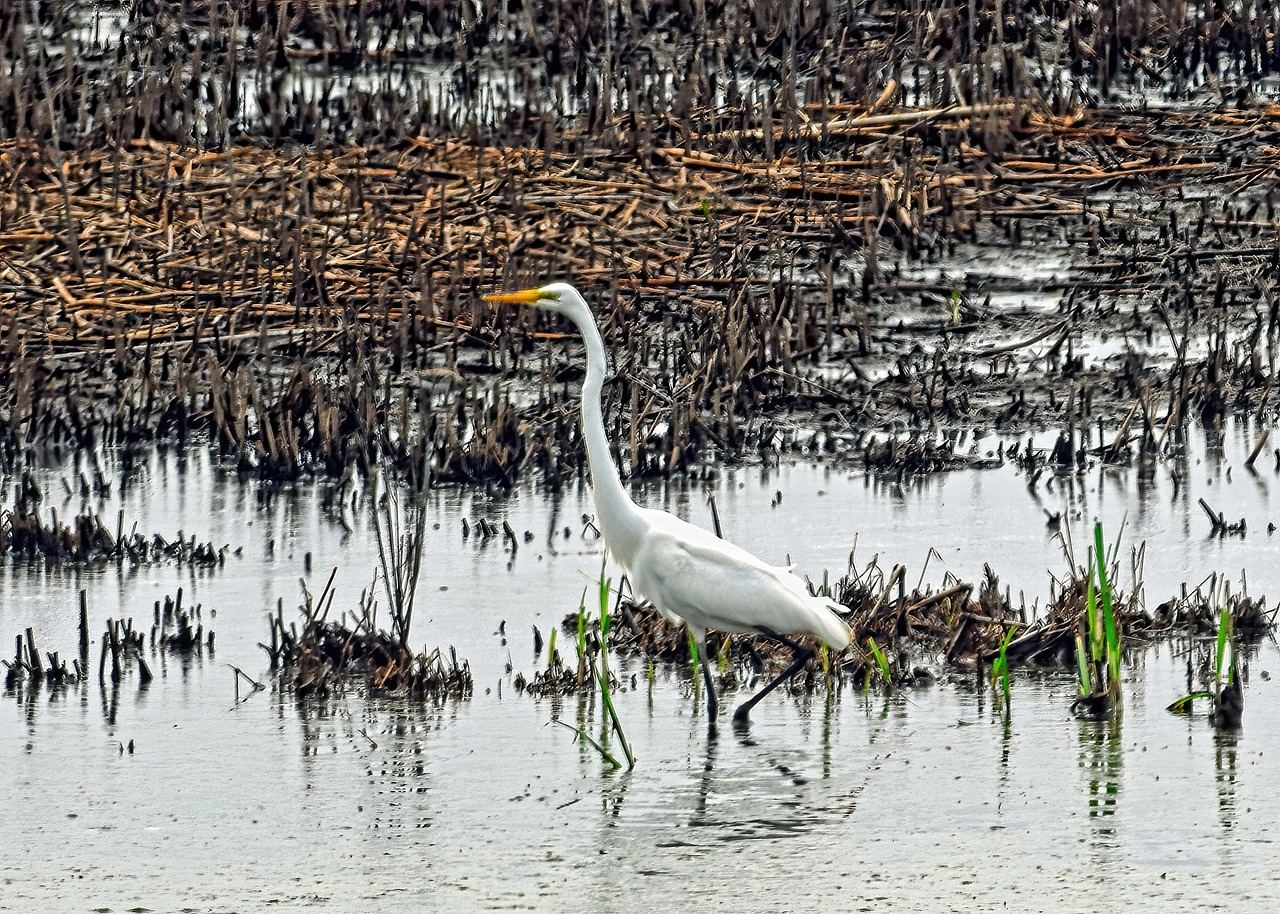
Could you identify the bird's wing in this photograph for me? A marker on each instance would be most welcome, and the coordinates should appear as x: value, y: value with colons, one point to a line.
x: 713, y: 584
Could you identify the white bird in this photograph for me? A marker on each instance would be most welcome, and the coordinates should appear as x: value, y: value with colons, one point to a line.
x: 689, y: 574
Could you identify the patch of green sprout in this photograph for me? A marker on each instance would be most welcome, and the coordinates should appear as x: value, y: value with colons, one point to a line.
x: 602, y: 674
x: 1000, y: 669
x: 582, y: 637
x: 1098, y: 662
x: 1082, y: 666
x: 1110, y: 626
x: 1098, y: 642
x: 882, y: 662
x: 1223, y: 642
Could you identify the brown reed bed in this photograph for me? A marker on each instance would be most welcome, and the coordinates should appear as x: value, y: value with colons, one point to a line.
x: 633, y: 75
x: 315, y: 312
x: 776, y: 216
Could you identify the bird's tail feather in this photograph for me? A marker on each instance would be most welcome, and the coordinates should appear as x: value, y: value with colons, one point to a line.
x: 830, y: 627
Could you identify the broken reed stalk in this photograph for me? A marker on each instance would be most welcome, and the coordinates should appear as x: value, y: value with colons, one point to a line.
x: 84, y: 628
x: 581, y: 733
x: 34, y: 667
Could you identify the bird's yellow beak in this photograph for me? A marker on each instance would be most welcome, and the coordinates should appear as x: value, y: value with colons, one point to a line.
x: 523, y: 297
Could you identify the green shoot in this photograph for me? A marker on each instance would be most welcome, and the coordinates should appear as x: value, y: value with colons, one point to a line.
x: 722, y: 660
x: 1224, y: 642
x: 586, y: 738
x: 582, y: 637
x: 882, y: 662
x: 1095, y: 622
x: 602, y: 674
x: 1000, y: 669
x: 551, y: 648
x: 1082, y: 666
x: 607, y: 699
x: 954, y: 304
x: 604, y: 621
x: 693, y: 656
x: 1108, y: 612
x: 1224, y: 632
x: 1183, y: 704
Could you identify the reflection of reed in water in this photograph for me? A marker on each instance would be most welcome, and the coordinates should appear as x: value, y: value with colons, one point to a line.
x: 389, y: 742
x: 1102, y: 756
x: 1224, y: 762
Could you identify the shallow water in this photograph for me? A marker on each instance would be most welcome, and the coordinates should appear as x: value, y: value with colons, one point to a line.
x: 919, y: 801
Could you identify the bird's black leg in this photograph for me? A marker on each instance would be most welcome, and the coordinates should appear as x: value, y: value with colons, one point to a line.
x: 802, y: 657
x: 712, y: 704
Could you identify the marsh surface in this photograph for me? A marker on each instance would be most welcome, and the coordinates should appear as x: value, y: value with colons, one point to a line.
x: 921, y: 797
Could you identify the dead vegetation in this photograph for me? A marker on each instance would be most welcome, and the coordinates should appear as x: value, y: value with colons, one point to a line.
x: 177, y: 632
x: 317, y: 314
x: 956, y: 626
x: 85, y: 538
x: 785, y: 241
x: 324, y: 654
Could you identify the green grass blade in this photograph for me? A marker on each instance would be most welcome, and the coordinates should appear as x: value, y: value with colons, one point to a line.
x: 882, y: 662
x: 582, y: 637
x: 1183, y: 704
x: 1002, y: 661
x: 1108, y: 609
x: 607, y: 699
x: 604, y: 621
x: 1082, y: 666
x: 1095, y: 626
x: 586, y: 738
x: 693, y: 655
x: 1224, y: 624
x: 604, y: 607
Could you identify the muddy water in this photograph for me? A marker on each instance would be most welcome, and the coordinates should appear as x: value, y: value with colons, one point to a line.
x: 926, y: 800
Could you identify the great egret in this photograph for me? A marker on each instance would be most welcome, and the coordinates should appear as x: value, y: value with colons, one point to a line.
x: 689, y: 574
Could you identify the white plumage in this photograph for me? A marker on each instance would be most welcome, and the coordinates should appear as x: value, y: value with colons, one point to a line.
x: 692, y: 575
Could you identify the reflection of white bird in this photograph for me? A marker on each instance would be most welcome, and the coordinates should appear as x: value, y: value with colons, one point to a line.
x: 689, y: 574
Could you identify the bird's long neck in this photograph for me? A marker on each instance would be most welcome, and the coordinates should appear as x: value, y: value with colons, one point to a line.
x: 616, y: 514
